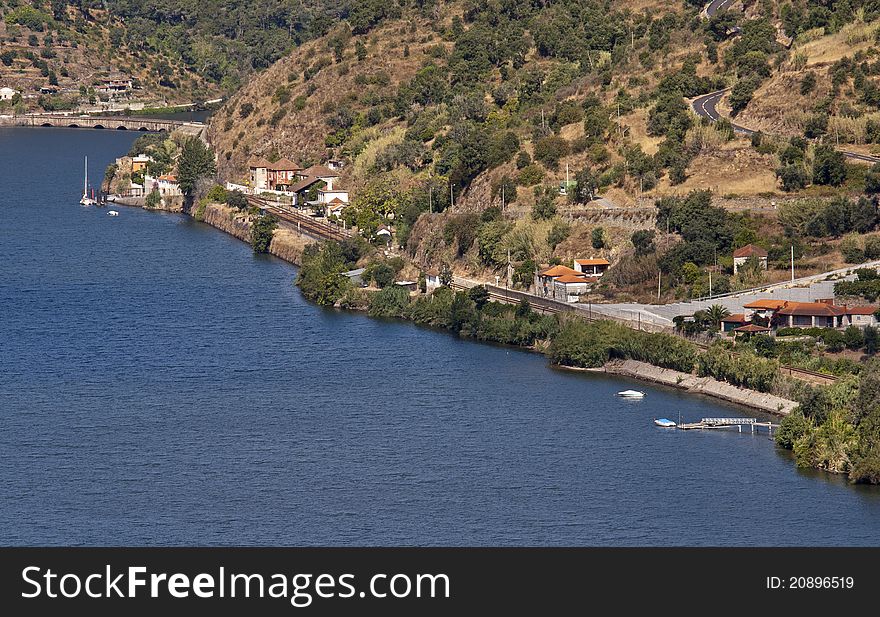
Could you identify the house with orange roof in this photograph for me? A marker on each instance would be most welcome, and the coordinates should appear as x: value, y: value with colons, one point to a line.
x: 281, y: 174
x: 591, y: 267
x: 765, y: 309
x: 732, y: 322
x: 744, y: 253
x: 166, y: 184
x: 562, y: 283
x: 820, y: 314
x: 860, y: 316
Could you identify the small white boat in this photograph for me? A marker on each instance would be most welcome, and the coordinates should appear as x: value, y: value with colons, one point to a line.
x: 664, y: 422
x: 112, y: 213
x: 631, y: 394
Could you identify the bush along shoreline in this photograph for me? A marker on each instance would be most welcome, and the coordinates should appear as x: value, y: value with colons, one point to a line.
x: 835, y: 428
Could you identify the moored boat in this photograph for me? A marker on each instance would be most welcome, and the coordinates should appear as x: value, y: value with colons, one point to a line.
x: 631, y: 394
x: 664, y: 422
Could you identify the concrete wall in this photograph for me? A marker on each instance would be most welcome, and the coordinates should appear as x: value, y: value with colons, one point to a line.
x: 702, y: 385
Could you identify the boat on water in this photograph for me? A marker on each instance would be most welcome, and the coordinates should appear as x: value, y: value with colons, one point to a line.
x: 664, y: 422
x: 86, y: 200
x: 112, y: 213
x: 631, y: 394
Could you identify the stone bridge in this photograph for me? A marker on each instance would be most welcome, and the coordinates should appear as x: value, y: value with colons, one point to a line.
x: 120, y: 123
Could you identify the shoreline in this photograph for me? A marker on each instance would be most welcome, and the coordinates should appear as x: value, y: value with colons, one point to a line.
x: 708, y: 386
x: 288, y: 246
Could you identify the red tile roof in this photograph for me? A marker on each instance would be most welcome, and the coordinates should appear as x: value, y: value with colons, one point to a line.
x: 284, y: 165
x: 259, y: 163
x: 749, y: 250
x: 593, y: 262
x: 751, y: 328
x: 321, y: 171
x: 773, y: 305
x: 574, y: 278
x: 817, y: 309
x: 861, y: 310
x: 304, y: 184
x: 735, y: 318
x: 555, y: 271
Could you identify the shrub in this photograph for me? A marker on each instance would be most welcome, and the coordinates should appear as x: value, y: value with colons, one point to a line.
x: 261, y: 233
x: 530, y: 175
x: 153, y: 199
x: 550, y: 149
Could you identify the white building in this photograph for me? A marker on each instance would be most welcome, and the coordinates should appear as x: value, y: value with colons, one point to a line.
x: 7, y: 94
x: 166, y: 184
x: 591, y: 267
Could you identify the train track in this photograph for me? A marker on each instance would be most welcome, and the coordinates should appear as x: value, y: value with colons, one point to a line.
x: 304, y: 224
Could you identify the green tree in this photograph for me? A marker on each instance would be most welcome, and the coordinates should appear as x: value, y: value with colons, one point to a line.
x: 870, y: 336
x: 446, y: 276
x: 196, y: 162
x: 545, y: 204
x: 741, y: 94
x: 383, y: 274
x: 643, y: 241
x: 479, y: 295
x: 598, y: 238
x: 829, y: 166
x: 853, y: 338
x: 793, y: 177
x: 153, y: 199
x: 872, y: 179
x: 715, y: 314
x: 558, y: 233
x: 262, y: 231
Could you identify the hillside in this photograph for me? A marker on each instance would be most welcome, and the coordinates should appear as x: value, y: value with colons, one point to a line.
x: 173, y: 52
x: 496, y: 105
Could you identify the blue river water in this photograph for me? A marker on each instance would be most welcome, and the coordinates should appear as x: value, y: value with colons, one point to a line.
x: 161, y: 385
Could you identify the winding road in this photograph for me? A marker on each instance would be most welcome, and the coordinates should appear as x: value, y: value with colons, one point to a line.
x: 706, y: 105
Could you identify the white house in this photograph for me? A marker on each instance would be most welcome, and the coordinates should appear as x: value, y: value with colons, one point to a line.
x: 326, y: 196
x: 6, y: 94
x: 562, y: 283
x: 166, y: 184
x: 569, y: 287
x: 742, y: 255
x: 860, y: 316
x: 334, y: 207
x: 591, y: 267
x: 432, y: 279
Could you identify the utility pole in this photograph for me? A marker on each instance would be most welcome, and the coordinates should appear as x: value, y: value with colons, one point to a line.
x: 451, y: 196
x: 618, y: 117
x: 430, y: 200
x: 710, y: 284
x: 658, y: 286
x: 792, y: 263
x: 502, y: 195
x: 542, y: 119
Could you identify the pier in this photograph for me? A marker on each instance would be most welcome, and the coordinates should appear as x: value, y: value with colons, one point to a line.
x: 739, y: 423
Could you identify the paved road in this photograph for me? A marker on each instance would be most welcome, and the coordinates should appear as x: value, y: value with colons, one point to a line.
x: 805, y: 289
x: 717, y: 5
x: 706, y: 106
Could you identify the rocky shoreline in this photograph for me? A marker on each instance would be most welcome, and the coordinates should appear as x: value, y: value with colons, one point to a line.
x: 752, y: 399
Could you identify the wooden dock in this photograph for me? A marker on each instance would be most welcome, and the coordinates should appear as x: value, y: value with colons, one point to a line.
x: 739, y: 423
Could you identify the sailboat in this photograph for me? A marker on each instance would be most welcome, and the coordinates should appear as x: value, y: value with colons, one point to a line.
x: 86, y: 200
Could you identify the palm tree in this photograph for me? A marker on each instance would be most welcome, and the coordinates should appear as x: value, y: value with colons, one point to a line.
x: 715, y: 314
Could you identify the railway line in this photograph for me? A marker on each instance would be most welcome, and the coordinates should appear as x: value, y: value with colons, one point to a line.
x: 304, y: 224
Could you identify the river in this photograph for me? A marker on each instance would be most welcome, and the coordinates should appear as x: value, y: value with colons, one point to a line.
x: 161, y: 385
